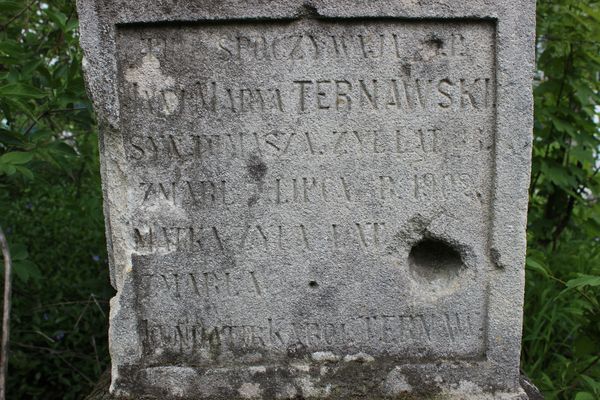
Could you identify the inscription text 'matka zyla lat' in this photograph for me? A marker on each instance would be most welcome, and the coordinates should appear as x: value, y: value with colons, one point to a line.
x: 316, y: 201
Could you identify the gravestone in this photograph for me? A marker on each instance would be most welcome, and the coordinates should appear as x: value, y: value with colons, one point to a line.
x: 314, y: 200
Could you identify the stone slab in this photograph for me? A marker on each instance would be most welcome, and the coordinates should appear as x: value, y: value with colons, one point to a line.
x: 101, y: 390
x: 322, y: 199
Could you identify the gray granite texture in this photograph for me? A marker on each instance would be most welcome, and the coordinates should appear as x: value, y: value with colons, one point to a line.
x: 314, y: 200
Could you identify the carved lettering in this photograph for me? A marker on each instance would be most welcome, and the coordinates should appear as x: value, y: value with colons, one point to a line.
x: 262, y: 239
x: 196, y: 193
x: 432, y: 186
x: 305, y: 47
x: 278, y: 335
x: 359, y: 142
x: 204, y: 286
x: 275, y: 169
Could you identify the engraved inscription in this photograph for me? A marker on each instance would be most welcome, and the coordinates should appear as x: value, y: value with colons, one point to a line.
x: 364, y: 235
x: 280, y: 335
x: 202, y: 285
x: 306, y: 46
x: 357, y: 141
x: 383, y: 94
x: 280, y: 172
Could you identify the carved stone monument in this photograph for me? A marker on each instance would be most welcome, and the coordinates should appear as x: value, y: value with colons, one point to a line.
x: 314, y: 200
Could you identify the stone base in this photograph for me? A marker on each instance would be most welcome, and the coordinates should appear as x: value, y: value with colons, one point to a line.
x: 529, y: 392
x: 532, y: 391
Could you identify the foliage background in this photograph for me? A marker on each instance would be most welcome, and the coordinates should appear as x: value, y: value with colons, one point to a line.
x: 50, y: 205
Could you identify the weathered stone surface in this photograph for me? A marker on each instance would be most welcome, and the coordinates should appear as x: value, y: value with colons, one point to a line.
x: 101, y: 391
x: 314, y: 200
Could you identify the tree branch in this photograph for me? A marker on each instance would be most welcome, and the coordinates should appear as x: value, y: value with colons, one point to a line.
x: 10, y: 21
x: 5, y: 314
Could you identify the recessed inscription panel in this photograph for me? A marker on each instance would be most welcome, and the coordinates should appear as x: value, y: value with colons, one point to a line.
x: 327, y: 188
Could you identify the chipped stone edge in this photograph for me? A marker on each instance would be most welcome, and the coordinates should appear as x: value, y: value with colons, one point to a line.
x: 97, y: 39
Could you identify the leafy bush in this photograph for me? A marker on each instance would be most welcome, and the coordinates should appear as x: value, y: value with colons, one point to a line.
x: 59, y: 323
x: 51, y: 208
x: 561, y: 344
x: 50, y: 199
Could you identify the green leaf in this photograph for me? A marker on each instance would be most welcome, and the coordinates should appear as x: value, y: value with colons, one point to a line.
x: 534, y: 265
x: 584, y: 345
x: 25, y: 269
x: 72, y: 25
x: 18, y: 252
x: 563, y: 126
x: 10, y: 138
x: 584, y: 396
x: 61, y: 148
x: 16, y: 158
x: 584, y: 280
x: 594, y: 13
x: 557, y: 174
x: 26, y: 172
x: 582, y: 154
x: 7, y: 169
x: 57, y: 17
x: 20, y: 104
x: 10, y: 6
x: 595, y: 385
x: 21, y: 90
x: 11, y: 48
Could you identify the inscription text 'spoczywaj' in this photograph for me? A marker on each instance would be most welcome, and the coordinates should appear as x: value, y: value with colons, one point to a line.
x: 274, y: 200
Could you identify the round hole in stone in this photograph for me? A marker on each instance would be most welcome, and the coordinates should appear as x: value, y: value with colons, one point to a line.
x: 313, y: 284
x: 433, y: 260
